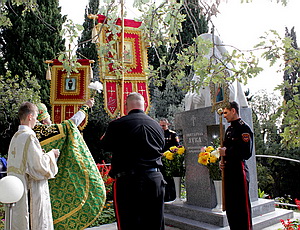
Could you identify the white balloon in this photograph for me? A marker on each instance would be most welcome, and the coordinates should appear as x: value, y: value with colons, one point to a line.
x: 11, y: 189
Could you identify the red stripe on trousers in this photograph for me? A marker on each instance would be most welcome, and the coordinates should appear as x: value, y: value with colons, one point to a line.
x: 247, y: 196
x: 116, y: 204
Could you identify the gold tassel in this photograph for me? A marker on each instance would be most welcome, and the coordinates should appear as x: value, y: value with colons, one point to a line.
x: 94, y: 35
x: 91, y: 72
x: 48, y: 73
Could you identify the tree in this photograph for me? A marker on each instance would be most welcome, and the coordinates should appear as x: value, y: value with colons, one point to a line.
x: 32, y: 38
x: 87, y: 49
x: 14, y: 91
x: 291, y: 75
x: 274, y: 175
x: 163, y: 23
x: 98, y: 118
x: 172, y: 94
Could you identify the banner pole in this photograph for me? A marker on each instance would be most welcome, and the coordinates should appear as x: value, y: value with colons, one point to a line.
x: 122, y: 104
x: 220, y: 112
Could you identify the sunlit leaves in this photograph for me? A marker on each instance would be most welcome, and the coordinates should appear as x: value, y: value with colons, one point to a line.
x: 14, y: 91
x: 71, y: 32
x: 281, y: 50
x: 28, y: 5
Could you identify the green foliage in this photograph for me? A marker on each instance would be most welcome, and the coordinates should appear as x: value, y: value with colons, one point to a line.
x: 107, y: 215
x: 275, y: 177
x: 25, y: 47
x: 261, y: 194
x: 265, y: 179
x: 98, y: 118
x: 168, y: 73
x: 71, y: 32
x: 4, y: 19
x: 2, y: 216
x: 284, y: 50
x: 87, y: 49
x: 286, y: 199
x: 14, y: 91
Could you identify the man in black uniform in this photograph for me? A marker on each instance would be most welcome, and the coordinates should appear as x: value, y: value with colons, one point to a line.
x: 238, y: 145
x: 136, y: 142
x: 171, y: 139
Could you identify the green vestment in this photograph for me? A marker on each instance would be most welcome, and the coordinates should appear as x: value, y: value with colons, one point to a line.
x: 77, y: 192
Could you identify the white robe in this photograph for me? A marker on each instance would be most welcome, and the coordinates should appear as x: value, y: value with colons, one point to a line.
x: 28, y: 162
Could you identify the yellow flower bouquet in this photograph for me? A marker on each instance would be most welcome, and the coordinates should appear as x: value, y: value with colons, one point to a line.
x: 210, y: 157
x: 173, y: 160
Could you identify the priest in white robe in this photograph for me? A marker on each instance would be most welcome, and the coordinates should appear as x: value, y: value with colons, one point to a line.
x: 28, y: 162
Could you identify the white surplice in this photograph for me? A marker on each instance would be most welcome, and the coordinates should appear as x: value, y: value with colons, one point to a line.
x: 28, y: 162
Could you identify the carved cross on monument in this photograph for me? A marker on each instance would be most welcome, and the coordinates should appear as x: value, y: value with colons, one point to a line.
x: 193, y: 120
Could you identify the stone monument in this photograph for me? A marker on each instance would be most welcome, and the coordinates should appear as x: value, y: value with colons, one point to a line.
x: 198, y: 127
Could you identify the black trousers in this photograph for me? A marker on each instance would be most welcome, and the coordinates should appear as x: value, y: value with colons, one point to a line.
x: 237, y: 201
x: 139, y: 201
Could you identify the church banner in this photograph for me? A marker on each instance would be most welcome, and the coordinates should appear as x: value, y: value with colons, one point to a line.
x: 134, y: 54
x: 69, y: 93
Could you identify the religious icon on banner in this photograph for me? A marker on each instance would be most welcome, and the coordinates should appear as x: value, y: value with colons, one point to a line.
x: 133, y: 76
x: 128, y: 58
x: 219, y: 95
x: 70, y: 84
x: 69, y: 92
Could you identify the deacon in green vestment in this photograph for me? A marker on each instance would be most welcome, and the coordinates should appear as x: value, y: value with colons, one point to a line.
x: 77, y: 192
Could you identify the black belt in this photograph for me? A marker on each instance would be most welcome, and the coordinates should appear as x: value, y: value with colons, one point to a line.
x: 139, y: 171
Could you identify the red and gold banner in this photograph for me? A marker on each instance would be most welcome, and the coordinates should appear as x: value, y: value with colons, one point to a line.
x: 134, y: 54
x: 69, y: 93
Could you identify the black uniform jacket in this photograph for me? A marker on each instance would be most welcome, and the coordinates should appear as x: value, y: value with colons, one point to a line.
x: 136, y: 142
x: 238, y: 141
x: 171, y: 139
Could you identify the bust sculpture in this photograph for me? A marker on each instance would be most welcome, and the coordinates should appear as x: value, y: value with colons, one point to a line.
x: 196, y: 100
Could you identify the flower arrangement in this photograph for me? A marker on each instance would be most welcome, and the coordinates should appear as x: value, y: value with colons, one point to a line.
x: 290, y: 225
x: 210, y: 157
x: 297, y: 203
x: 108, y: 214
x: 108, y: 181
x: 173, y: 160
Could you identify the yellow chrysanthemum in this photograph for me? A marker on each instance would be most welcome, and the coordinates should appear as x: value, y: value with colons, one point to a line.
x: 203, y: 160
x: 181, y: 150
x: 169, y: 155
x: 205, y: 155
x: 213, y: 159
x: 173, y: 148
x: 166, y: 152
x: 209, y: 149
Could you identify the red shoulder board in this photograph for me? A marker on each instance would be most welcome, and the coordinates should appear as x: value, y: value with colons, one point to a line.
x: 246, y: 137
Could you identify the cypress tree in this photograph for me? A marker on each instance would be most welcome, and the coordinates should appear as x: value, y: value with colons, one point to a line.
x: 169, y: 94
x: 87, y: 49
x: 292, y: 77
x: 33, y: 38
x: 98, y: 118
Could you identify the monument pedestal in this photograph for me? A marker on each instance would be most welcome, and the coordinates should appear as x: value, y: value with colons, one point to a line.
x: 198, y: 128
x: 190, y: 217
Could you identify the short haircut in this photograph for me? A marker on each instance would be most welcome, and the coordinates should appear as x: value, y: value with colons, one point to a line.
x: 164, y: 120
x: 25, y: 109
x: 135, y: 97
x: 233, y: 105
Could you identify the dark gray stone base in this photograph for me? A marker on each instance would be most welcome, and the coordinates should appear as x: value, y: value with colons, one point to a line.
x: 189, y: 217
